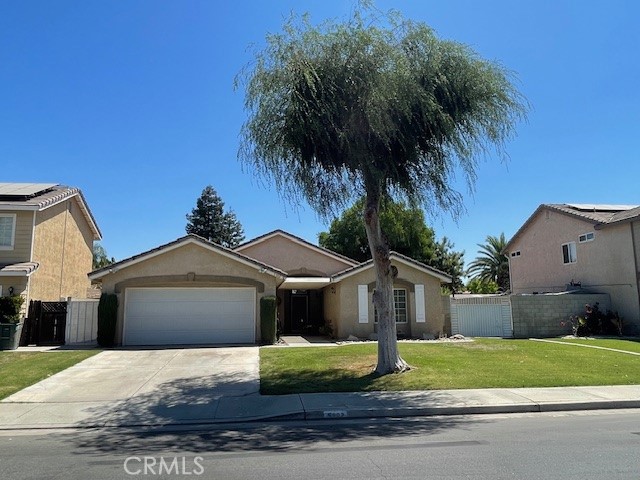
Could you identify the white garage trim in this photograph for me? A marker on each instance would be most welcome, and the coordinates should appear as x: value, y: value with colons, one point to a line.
x: 189, y: 315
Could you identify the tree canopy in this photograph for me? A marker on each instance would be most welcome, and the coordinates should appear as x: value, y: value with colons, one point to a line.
x: 378, y: 106
x: 210, y: 220
x: 492, y: 264
x: 100, y: 257
x: 406, y: 232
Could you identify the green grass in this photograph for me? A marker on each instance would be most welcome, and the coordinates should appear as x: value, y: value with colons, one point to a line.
x: 485, y: 363
x: 626, y: 345
x: 21, y: 369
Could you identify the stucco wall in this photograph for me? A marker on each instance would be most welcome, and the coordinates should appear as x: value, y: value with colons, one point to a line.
x: 605, y: 264
x: 63, y: 247
x: 293, y: 258
x: 345, y: 312
x: 188, y: 265
x: 21, y: 251
x: 543, y: 315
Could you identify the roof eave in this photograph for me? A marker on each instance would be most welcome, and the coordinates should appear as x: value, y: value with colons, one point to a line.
x: 261, y: 267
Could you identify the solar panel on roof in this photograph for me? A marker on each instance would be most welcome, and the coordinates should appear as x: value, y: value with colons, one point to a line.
x: 587, y: 207
x: 24, y: 189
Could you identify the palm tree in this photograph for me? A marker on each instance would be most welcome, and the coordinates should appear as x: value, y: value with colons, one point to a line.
x: 492, y: 264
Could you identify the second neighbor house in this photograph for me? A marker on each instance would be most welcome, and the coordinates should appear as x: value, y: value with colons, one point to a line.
x: 192, y: 291
x: 593, y: 247
x: 46, y: 241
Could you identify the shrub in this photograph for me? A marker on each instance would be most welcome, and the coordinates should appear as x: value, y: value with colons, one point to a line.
x: 268, y: 320
x: 594, y: 322
x: 107, y: 317
x: 10, y: 308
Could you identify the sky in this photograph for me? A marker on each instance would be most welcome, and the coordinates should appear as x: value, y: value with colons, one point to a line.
x: 133, y: 102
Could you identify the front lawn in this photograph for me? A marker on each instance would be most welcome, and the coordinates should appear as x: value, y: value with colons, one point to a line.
x: 484, y: 363
x: 21, y: 369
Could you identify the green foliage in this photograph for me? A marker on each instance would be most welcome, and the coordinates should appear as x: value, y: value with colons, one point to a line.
x: 448, y: 260
x: 406, y: 232
x: 100, y: 258
x: 594, y: 322
x: 476, y: 285
x: 483, y: 363
x: 107, y: 318
x: 10, y: 308
x: 375, y: 104
x: 268, y: 321
x: 492, y: 263
x: 209, y: 220
x: 19, y: 369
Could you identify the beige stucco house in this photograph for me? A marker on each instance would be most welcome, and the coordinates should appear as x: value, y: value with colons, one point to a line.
x: 46, y: 241
x: 594, y: 247
x: 191, y: 291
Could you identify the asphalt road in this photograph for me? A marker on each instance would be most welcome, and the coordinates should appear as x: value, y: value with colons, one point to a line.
x: 576, y: 445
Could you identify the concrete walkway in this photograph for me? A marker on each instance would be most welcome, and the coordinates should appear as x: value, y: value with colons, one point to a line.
x: 185, y: 386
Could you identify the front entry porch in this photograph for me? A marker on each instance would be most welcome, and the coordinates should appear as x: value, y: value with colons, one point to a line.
x: 301, y: 311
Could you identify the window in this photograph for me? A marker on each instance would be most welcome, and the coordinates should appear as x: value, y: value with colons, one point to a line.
x: 569, y: 253
x: 400, y: 304
x: 7, y: 231
x: 515, y: 254
x: 587, y: 237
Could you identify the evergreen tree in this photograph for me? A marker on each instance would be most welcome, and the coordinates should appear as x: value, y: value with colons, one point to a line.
x: 209, y: 220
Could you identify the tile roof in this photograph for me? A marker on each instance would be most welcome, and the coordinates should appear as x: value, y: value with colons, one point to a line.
x: 599, y: 215
x: 398, y: 256
x: 594, y: 213
x: 47, y: 197
x: 101, y: 272
x: 23, y: 269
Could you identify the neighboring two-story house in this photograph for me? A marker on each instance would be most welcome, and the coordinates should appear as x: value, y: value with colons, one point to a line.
x: 46, y: 241
x: 597, y: 247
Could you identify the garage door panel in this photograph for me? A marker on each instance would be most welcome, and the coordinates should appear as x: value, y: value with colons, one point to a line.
x: 172, y: 316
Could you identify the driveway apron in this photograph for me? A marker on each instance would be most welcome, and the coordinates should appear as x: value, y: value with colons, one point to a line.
x: 143, y: 386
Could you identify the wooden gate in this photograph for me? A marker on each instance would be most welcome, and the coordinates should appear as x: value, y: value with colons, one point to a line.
x: 46, y: 323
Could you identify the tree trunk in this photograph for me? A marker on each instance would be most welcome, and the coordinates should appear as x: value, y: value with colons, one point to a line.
x: 389, y: 360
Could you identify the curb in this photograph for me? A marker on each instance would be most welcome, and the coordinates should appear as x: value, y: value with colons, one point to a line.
x: 357, y: 413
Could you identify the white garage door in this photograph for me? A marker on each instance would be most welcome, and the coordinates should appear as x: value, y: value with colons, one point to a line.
x: 179, y: 316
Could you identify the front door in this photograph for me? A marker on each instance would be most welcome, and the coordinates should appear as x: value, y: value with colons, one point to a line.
x: 299, y: 311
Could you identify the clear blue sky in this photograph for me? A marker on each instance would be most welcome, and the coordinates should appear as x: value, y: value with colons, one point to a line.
x: 133, y: 102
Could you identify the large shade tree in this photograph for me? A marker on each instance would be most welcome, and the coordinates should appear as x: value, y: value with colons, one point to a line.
x: 375, y: 106
x: 492, y: 264
x: 406, y: 232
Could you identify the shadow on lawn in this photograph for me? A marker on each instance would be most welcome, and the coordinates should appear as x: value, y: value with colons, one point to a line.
x: 311, y: 381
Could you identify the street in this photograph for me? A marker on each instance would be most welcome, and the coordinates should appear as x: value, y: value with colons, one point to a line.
x: 580, y: 445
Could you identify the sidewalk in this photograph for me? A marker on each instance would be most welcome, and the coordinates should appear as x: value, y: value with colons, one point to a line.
x: 312, y: 406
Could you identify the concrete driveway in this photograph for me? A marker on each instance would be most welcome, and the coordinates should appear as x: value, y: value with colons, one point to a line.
x: 140, y: 386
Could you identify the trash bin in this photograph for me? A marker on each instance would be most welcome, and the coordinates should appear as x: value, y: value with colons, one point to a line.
x: 10, y: 335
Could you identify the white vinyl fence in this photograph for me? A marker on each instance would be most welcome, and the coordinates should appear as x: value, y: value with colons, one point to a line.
x: 82, y: 321
x: 481, y: 316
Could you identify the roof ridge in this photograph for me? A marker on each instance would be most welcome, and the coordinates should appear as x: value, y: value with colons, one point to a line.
x: 300, y: 239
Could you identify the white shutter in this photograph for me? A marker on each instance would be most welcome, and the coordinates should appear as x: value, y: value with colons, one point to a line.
x: 363, y: 304
x: 420, y: 314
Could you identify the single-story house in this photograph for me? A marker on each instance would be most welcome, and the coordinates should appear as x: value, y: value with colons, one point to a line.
x: 192, y: 291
